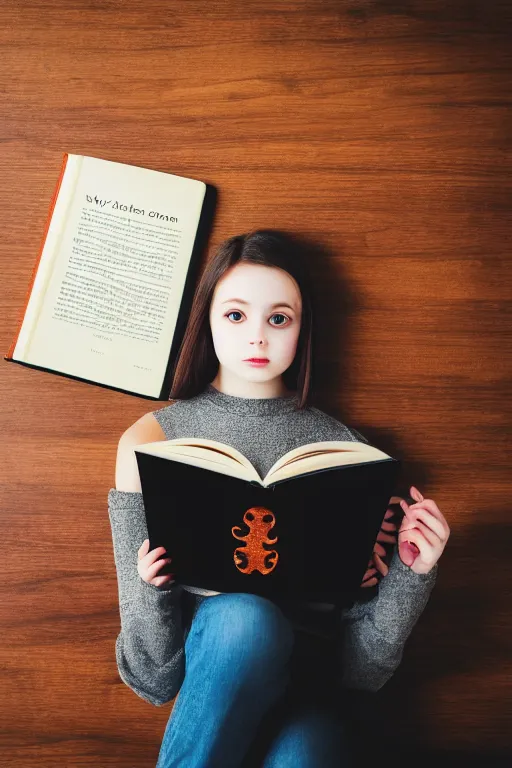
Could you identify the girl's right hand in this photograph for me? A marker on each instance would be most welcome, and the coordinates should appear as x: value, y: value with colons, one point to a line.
x: 149, y: 565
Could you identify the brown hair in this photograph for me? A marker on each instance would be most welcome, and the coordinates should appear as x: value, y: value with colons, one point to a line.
x: 197, y: 363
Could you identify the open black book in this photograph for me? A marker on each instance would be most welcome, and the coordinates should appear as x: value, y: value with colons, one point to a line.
x: 305, y: 531
x: 112, y: 286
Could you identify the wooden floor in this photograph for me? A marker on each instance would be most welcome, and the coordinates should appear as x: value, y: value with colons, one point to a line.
x: 382, y: 132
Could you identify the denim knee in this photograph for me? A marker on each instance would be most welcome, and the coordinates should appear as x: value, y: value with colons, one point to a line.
x: 245, y: 623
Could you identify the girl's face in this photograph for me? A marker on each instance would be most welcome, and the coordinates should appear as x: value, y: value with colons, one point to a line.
x: 255, y: 313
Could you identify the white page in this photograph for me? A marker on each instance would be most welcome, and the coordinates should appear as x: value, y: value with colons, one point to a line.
x: 116, y: 277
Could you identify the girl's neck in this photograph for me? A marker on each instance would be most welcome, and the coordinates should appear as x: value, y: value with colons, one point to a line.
x: 250, y: 389
x: 246, y: 406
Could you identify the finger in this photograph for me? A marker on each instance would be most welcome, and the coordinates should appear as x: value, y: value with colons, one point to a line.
x: 150, y: 558
x: 369, y: 573
x: 381, y: 566
x: 432, y: 538
x: 425, y: 554
x: 370, y: 583
x: 416, y: 495
x: 408, y: 553
x: 430, y: 522
x: 143, y: 551
x: 152, y: 571
x: 388, y: 526
x: 386, y: 537
x: 417, y: 537
x: 380, y: 549
x: 430, y: 506
x: 143, y: 548
x: 164, y: 580
x: 418, y: 512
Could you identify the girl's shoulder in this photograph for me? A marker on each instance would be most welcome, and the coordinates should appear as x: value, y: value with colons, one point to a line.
x: 146, y: 429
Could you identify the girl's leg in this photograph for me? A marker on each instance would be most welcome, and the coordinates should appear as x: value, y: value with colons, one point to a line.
x: 310, y: 738
x: 236, y: 667
x: 308, y: 727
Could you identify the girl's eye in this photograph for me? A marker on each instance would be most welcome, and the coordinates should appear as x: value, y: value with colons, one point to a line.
x: 234, y: 312
x: 278, y: 314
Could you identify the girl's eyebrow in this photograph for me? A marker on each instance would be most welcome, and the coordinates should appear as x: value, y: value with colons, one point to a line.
x: 278, y: 304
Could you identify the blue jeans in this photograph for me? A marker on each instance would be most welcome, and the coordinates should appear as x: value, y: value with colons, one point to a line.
x: 238, y: 706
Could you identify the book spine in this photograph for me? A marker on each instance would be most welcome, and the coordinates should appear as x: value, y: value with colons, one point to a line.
x: 10, y: 352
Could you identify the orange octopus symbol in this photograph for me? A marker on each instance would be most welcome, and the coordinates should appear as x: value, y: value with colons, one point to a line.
x: 259, y: 521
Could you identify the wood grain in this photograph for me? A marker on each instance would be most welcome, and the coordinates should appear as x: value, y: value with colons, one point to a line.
x: 381, y: 132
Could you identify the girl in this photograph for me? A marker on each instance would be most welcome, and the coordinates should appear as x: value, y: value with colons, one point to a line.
x: 256, y: 683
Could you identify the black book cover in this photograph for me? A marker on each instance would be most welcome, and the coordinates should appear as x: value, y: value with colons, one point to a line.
x: 308, y: 537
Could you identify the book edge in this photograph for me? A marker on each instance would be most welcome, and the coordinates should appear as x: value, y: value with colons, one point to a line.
x: 10, y: 352
x: 386, y: 459
x: 83, y: 380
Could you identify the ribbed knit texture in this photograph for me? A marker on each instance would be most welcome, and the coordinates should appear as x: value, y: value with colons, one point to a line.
x: 150, y: 647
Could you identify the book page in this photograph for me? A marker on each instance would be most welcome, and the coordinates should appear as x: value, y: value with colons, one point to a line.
x: 314, y: 456
x: 211, y: 450
x: 310, y: 449
x: 120, y: 243
x: 200, y: 456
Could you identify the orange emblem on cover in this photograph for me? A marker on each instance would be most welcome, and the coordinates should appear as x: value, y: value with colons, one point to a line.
x: 259, y: 521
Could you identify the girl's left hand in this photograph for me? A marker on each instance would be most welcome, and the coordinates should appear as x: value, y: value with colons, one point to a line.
x: 423, y: 533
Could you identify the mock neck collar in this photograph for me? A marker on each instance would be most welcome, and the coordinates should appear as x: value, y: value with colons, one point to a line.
x: 251, y: 406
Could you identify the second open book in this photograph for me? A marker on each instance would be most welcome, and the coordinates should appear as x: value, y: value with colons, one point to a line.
x: 112, y: 285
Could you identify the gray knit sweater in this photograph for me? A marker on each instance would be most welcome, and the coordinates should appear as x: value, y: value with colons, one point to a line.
x: 150, y: 646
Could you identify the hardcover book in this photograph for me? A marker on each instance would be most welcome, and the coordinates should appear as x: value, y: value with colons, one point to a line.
x: 304, y: 531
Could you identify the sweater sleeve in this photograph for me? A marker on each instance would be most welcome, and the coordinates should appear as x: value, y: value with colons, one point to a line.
x: 150, y: 647
x: 374, y: 632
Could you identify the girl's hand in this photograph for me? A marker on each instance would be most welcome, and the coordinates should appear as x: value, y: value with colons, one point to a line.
x: 376, y: 563
x: 423, y: 533
x: 148, y: 565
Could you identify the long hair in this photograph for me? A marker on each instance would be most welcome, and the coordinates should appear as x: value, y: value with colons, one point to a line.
x: 197, y: 363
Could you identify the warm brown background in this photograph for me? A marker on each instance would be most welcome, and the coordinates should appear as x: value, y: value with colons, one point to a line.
x: 381, y: 131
